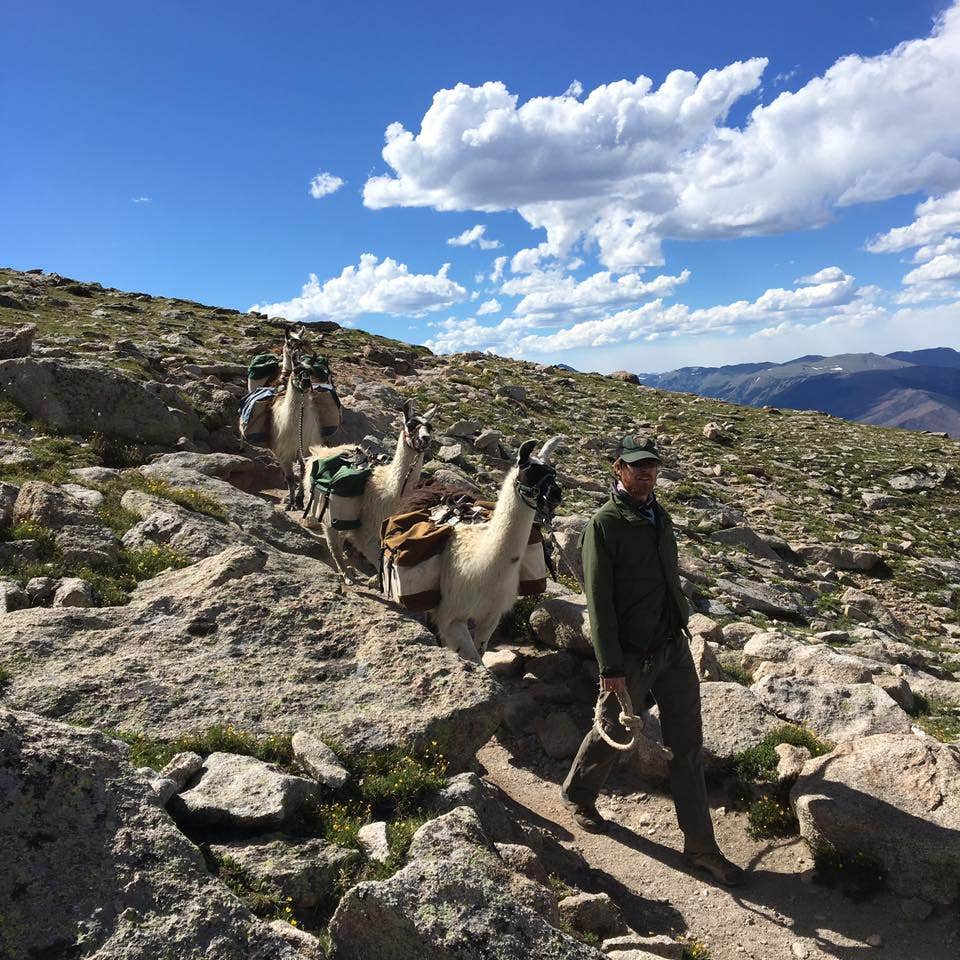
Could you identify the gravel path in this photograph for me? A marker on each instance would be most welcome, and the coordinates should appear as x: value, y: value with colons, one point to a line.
x: 779, y: 913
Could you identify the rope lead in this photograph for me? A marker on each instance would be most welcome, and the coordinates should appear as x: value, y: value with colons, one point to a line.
x: 628, y: 720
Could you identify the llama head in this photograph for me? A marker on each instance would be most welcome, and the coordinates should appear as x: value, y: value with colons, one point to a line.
x: 536, y: 481
x: 416, y: 428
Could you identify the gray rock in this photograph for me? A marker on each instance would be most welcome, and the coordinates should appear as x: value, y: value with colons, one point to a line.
x: 895, y: 798
x: 92, y: 498
x: 88, y: 544
x: 523, y: 859
x: 307, y: 946
x: 319, y: 761
x: 558, y: 735
x: 633, y: 946
x: 112, y: 877
x: 182, y: 767
x: 18, y: 342
x: 41, y: 590
x: 833, y: 711
x: 762, y: 598
x: 512, y: 392
x: 464, y: 429
x: 242, y: 792
x: 304, y: 870
x: 816, y: 661
x: 566, y: 532
x: 80, y: 396
x: 488, y: 442
x: 95, y: 474
x: 73, y: 592
x: 450, y: 453
x: 733, y: 720
x: 897, y: 689
x: 12, y: 596
x: 705, y: 660
x: 914, y: 908
x: 563, y: 624
x: 49, y: 506
x: 164, y: 788
x: 261, y: 639
x: 858, y: 605
x: 747, y: 538
x: 702, y: 626
x: 488, y: 803
x: 372, y: 837
x: 840, y: 558
x: 592, y: 913
x: 8, y: 497
x: 503, y: 662
x: 879, y: 501
x: 791, y: 761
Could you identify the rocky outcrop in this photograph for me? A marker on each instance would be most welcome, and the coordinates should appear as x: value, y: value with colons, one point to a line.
x: 894, y: 798
x: 84, y: 397
x: 93, y: 866
x: 17, y: 342
x: 448, y: 901
x: 264, y: 640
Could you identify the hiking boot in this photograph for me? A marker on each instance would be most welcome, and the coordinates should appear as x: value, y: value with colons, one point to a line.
x: 586, y: 815
x: 717, y: 866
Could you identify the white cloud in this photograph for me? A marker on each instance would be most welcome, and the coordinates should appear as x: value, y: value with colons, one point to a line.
x: 833, y: 300
x: 528, y: 260
x: 943, y: 267
x: 497, y: 273
x: 325, y: 183
x: 489, y: 306
x: 141, y: 200
x: 935, y: 218
x: 552, y: 296
x: 631, y: 164
x: 474, y: 237
x: 575, y: 90
x: 371, y: 287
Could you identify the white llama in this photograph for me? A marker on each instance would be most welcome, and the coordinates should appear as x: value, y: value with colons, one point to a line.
x: 385, y: 489
x: 480, y: 565
x: 301, y: 414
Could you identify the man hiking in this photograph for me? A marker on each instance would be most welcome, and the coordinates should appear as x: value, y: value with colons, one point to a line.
x: 638, y: 616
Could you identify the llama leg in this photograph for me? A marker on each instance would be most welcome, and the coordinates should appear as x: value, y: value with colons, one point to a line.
x: 483, y: 631
x: 298, y: 480
x: 457, y: 637
x: 292, y: 485
x: 335, y: 546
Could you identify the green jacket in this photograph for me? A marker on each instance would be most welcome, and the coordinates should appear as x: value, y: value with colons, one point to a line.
x: 631, y: 581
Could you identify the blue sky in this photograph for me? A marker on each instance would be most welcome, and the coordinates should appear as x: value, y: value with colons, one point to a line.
x: 694, y: 218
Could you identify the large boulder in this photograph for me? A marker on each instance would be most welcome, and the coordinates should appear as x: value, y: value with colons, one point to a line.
x: 49, y: 506
x: 455, y: 900
x: 772, y: 601
x: 93, y: 866
x: 733, y: 720
x: 563, y: 623
x: 242, y: 792
x: 840, y: 557
x: 16, y: 342
x: 833, y: 711
x: 894, y: 798
x: 80, y: 396
x: 264, y: 640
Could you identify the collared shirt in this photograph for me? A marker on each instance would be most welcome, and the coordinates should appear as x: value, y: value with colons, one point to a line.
x: 645, y: 509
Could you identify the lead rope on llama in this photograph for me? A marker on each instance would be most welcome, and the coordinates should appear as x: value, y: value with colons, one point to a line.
x: 628, y: 720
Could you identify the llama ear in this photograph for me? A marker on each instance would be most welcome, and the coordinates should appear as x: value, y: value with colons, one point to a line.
x: 408, y: 409
x: 548, y: 448
x: 523, y: 454
x: 430, y: 414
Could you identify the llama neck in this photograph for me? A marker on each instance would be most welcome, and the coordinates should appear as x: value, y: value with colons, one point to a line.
x: 512, y: 519
x: 404, y: 468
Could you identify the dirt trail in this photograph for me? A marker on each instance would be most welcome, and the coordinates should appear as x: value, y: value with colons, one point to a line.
x: 779, y: 913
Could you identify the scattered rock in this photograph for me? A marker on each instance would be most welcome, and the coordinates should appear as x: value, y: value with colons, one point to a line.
x: 12, y: 596
x: 749, y: 539
x: 791, y: 761
x: 48, y: 506
x: 702, y: 626
x: 503, y: 662
x: 625, y: 376
x: 319, y: 760
x: 73, y: 592
x: 592, y: 913
x: 633, y: 946
x: 373, y: 838
x: 762, y: 598
x: 563, y: 624
x: 242, y: 792
x: 465, y: 429
x: 733, y: 720
x: 705, y: 660
x: 841, y: 558
x: 182, y: 767
x: 558, y: 735
x: 16, y: 343
x: 512, y: 392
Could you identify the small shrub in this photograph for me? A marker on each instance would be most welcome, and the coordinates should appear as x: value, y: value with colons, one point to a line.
x: 113, y: 452
x: 769, y: 817
x: 518, y: 619
x: 559, y: 886
x: 857, y: 874
x: 695, y: 949
x: 760, y: 762
x: 397, y: 781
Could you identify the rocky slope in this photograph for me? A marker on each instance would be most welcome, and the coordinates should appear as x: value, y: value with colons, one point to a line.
x: 151, y: 589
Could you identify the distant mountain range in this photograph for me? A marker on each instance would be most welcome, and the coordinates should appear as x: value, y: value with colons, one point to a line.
x: 917, y: 390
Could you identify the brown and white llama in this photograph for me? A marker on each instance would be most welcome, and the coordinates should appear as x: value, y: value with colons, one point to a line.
x: 304, y: 414
x: 384, y: 491
x: 480, y: 564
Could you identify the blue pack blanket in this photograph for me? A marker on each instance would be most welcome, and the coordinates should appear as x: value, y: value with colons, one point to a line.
x: 254, y: 414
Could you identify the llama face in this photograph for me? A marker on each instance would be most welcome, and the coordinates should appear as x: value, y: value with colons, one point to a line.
x: 417, y: 433
x: 537, y: 482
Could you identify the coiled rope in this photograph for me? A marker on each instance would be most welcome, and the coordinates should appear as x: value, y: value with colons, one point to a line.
x: 628, y: 720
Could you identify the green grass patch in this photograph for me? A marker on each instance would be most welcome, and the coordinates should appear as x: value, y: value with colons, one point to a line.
x: 760, y: 762
x: 770, y: 817
x: 261, y: 898
x: 939, y: 718
x: 195, y: 500
x: 220, y: 738
x: 732, y: 670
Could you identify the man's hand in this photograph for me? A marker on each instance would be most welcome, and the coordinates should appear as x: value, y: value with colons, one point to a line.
x: 613, y: 684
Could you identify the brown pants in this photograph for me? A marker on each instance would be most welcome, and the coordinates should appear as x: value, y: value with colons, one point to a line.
x: 672, y: 679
